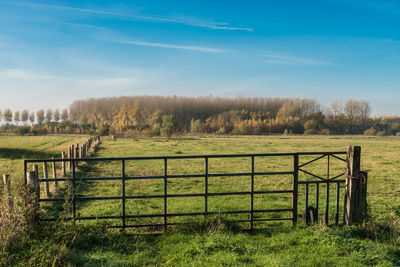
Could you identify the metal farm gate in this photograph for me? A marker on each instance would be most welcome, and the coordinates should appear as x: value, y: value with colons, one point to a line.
x: 302, y: 183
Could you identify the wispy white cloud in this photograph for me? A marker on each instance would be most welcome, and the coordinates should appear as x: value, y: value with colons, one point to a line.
x: 291, y: 60
x: 173, y: 46
x: 33, y: 89
x: 185, y: 21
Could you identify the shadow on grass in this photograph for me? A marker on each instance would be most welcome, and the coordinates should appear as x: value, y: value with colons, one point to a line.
x: 64, y: 209
x: 17, y: 153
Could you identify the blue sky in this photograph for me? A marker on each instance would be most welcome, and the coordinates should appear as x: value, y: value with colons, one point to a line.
x: 54, y: 52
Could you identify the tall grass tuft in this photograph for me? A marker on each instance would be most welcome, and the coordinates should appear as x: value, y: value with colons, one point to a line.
x: 18, y: 217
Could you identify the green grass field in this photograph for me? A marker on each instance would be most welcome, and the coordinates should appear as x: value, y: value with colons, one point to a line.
x: 214, y: 242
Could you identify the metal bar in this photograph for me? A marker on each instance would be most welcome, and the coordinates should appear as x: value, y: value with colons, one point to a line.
x: 213, y: 194
x: 73, y: 189
x: 195, y: 156
x: 322, y: 182
x: 327, y: 168
x: 252, y: 194
x: 311, y: 161
x: 309, y: 173
x: 339, y: 158
x: 337, y: 203
x: 25, y: 171
x: 205, y: 185
x: 337, y: 176
x: 202, y: 175
x: 249, y: 173
x: 295, y: 188
x: 327, y: 204
x: 168, y: 195
x: 316, y: 201
x: 165, y: 193
x: 272, y: 219
x: 273, y: 191
x: 306, y: 201
x: 123, y: 194
x: 170, y: 215
x: 272, y: 210
x: 137, y: 225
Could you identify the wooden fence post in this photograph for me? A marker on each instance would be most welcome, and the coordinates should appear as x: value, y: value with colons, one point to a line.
x: 53, y: 165
x: 71, y: 156
x: 33, y: 182
x: 63, y: 171
x: 46, y: 176
x: 7, y: 192
x: 77, y: 154
x: 355, y: 209
x: 6, y: 182
x: 35, y: 168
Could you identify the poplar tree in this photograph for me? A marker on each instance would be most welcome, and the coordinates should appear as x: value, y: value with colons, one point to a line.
x: 8, y: 115
x: 24, y: 116
x: 32, y: 117
x: 17, y: 117
x: 40, y: 116
x: 64, y: 115
x: 57, y: 115
x: 49, y: 115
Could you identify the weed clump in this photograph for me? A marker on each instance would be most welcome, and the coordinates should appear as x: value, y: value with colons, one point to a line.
x: 18, y: 217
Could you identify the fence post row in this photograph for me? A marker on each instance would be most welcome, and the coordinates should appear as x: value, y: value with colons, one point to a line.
x: 356, y: 188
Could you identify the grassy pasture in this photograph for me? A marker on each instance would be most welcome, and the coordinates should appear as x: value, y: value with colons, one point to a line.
x: 14, y: 149
x: 379, y: 155
x: 217, y: 244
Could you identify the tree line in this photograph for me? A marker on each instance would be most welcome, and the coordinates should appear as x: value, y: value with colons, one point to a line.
x: 155, y: 115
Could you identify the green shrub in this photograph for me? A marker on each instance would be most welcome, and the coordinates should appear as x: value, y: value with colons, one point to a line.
x: 311, y: 131
x: 324, y: 131
x: 22, y: 130
x: 156, y: 129
x: 104, y: 129
x: 370, y: 132
x: 39, y: 131
x: 381, y: 133
x: 167, y: 126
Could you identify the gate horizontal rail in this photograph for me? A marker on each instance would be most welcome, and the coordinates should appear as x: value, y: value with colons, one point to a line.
x: 297, y: 168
